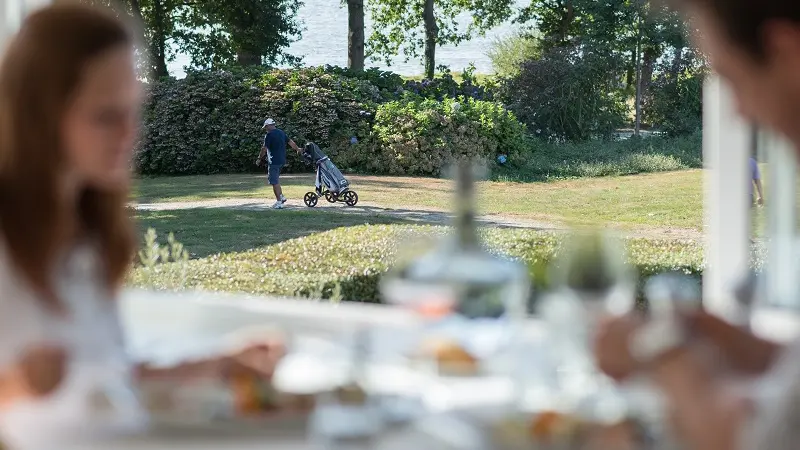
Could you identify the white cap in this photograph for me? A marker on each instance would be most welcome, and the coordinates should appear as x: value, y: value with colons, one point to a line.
x: 268, y: 122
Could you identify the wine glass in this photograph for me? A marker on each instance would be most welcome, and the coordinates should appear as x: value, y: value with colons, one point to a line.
x: 589, y: 279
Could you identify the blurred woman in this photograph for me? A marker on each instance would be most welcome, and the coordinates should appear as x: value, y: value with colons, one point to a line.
x: 69, y: 105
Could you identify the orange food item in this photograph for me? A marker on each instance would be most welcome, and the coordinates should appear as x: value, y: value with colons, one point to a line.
x: 550, y: 425
x: 544, y: 425
x: 450, y: 356
x: 434, y: 309
x: 246, y: 393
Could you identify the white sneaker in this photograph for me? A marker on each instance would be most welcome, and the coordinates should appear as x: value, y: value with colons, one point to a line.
x: 277, y: 205
x: 283, y: 199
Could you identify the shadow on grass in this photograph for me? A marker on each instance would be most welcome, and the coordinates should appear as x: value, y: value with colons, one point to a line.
x: 210, y: 231
x: 209, y: 187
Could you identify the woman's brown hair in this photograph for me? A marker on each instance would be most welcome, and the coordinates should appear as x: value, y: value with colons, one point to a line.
x: 41, y: 72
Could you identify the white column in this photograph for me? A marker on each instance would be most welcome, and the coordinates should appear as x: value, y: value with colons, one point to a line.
x: 727, y: 140
x: 781, y: 271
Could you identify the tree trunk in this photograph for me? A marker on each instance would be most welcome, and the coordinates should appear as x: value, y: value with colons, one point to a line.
x: 159, y: 44
x: 355, y: 34
x: 247, y: 58
x: 566, y: 22
x: 431, y: 36
x: 638, y: 99
x: 630, y: 74
x: 648, y: 67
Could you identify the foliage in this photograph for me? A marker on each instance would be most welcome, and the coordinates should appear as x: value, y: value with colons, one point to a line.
x: 217, y: 33
x: 566, y: 95
x: 154, y: 255
x: 632, y: 36
x: 210, y: 122
x: 544, y: 160
x: 674, y: 102
x: 356, y: 257
x: 214, y: 33
x: 398, y: 25
x: 445, y: 86
x: 417, y: 136
x: 510, y: 53
x: 612, y: 28
x: 153, y: 252
x: 384, y: 80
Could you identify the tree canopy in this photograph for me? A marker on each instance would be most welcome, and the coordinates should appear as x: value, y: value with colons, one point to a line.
x: 213, y: 32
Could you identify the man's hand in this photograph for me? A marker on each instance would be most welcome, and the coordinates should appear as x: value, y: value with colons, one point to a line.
x: 611, y: 346
x: 742, y: 350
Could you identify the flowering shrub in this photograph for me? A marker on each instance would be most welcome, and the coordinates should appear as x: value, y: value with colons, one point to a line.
x: 210, y: 122
x: 417, y: 136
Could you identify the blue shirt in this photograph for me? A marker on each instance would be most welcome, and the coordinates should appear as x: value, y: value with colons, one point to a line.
x: 276, y: 141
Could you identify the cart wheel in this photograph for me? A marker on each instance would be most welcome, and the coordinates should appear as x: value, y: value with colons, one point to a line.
x: 351, y: 198
x: 331, y: 197
x: 310, y: 199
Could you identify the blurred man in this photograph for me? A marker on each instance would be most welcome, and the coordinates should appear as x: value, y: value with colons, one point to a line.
x: 274, y: 150
x: 755, y: 46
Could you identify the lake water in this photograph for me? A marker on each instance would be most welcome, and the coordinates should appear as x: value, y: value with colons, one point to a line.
x: 324, y: 41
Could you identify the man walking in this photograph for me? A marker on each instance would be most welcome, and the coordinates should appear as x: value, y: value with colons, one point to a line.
x: 274, y: 150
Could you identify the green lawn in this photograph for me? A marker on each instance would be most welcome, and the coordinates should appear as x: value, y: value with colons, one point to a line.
x: 660, y: 200
x: 208, y: 231
x: 347, y: 262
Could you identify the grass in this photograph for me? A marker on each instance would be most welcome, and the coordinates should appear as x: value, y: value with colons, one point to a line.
x: 657, y: 200
x: 351, y: 260
x: 599, y: 158
x: 209, y: 231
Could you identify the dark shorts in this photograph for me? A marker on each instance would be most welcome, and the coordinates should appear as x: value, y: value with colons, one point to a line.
x: 274, y: 173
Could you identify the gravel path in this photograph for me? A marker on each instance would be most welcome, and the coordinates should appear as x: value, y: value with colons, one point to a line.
x: 411, y: 215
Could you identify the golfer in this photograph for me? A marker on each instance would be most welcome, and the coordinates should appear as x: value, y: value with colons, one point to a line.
x: 274, y: 150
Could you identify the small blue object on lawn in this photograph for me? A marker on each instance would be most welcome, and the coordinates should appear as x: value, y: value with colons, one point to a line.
x: 353, y: 140
x: 502, y: 159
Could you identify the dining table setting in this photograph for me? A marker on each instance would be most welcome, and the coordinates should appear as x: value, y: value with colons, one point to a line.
x: 454, y: 359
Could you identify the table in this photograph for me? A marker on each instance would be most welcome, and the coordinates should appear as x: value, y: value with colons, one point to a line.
x: 166, y: 328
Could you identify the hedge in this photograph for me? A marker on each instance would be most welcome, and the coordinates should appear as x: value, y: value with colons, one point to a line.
x: 349, y: 262
x: 417, y: 136
x: 210, y: 122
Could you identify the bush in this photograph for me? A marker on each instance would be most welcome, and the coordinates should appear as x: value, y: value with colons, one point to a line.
x: 350, y: 262
x: 445, y: 86
x: 675, y: 100
x: 566, y: 96
x: 387, y: 81
x: 210, y: 121
x: 417, y: 136
x: 509, y: 54
x: 544, y: 160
